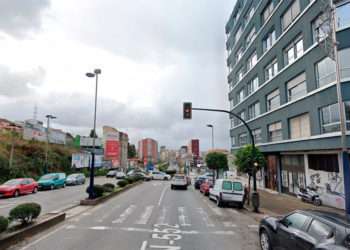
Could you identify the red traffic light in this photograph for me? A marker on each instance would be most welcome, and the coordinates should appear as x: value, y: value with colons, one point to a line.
x: 187, y: 110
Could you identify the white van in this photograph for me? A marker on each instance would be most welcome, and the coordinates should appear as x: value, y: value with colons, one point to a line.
x: 226, y: 192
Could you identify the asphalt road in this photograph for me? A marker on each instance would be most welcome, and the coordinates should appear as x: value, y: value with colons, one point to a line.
x: 55, y: 200
x: 152, y: 216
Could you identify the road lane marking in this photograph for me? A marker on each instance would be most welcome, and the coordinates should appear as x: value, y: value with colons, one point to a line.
x: 205, y: 217
x: 145, y: 216
x: 99, y: 228
x: 229, y: 224
x: 108, y: 214
x: 161, y: 219
x: 125, y: 214
x: 216, y: 210
x: 144, y: 245
x: 43, y: 238
x: 183, y: 217
x: 162, y: 195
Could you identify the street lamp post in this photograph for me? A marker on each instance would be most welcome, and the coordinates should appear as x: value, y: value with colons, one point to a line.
x: 48, y: 117
x: 92, y: 167
x: 212, y: 134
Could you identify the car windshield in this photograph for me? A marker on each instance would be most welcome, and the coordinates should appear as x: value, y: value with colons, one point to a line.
x: 237, y: 186
x: 12, y: 182
x: 48, y: 177
x: 227, y: 185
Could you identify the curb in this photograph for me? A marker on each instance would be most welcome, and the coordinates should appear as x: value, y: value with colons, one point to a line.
x: 15, y: 237
x: 100, y: 200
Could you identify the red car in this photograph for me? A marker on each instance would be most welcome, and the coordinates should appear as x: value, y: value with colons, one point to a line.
x: 205, y: 186
x: 16, y: 187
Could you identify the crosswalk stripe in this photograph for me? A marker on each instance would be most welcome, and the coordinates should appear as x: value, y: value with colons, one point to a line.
x: 145, y: 216
x: 125, y: 214
x: 108, y: 214
x: 182, y: 217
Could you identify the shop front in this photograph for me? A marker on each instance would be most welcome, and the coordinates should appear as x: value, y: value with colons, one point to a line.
x: 292, y: 173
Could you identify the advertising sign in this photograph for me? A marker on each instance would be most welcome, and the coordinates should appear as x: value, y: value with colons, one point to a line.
x: 112, y: 149
x: 80, y: 160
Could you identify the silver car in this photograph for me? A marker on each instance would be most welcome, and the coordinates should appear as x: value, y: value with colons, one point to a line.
x: 75, y: 179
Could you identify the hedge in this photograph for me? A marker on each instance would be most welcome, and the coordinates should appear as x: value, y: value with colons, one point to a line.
x: 4, y: 223
x: 25, y: 212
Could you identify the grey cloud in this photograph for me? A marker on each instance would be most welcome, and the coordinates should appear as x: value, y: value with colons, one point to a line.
x: 21, y: 17
x: 16, y: 84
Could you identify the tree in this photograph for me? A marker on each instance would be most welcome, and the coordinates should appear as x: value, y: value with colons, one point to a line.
x: 216, y: 161
x: 249, y: 160
x: 93, y: 134
x: 131, y: 151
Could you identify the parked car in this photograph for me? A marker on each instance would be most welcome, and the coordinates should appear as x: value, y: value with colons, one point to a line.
x: 16, y: 187
x: 52, y: 181
x: 198, y: 181
x: 140, y: 175
x: 75, y: 179
x: 227, y: 192
x: 179, y: 181
x: 111, y: 174
x: 120, y: 175
x: 157, y: 175
x: 206, y: 186
x: 305, y: 230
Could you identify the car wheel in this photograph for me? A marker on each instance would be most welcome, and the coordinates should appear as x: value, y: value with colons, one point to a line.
x: 265, y: 240
x: 317, y: 202
x: 218, y: 202
x: 35, y: 190
x: 185, y: 187
x: 16, y: 193
x: 52, y: 187
x: 172, y: 187
x: 240, y: 205
x: 165, y: 178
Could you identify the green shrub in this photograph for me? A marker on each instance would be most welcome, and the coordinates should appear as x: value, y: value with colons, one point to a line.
x: 122, y: 183
x: 108, y: 187
x: 98, y: 190
x: 25, y: 212
x: 4, y: 223
x: 130, y: 180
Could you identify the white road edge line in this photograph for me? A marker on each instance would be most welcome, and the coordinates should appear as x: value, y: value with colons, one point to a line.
x: 162, y: 196
x: 43, y: 238
x: 144, y: 245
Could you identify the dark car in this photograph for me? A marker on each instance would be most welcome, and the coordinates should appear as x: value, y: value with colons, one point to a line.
x: 140, y: 175
x: 198, y: 182
x: 305, y: 230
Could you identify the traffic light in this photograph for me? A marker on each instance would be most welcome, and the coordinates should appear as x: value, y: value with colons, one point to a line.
x: 187, y: 110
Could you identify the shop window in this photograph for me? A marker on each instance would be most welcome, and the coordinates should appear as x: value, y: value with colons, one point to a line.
x: 325, y: 162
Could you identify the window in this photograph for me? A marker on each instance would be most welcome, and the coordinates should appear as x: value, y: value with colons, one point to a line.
x: 319, y: 230
x: 233, y: 124
x: 240, y: 74
x: 253, y: 85
x: 227, y: 185
x: 232, y: 104
x: 296, y: 87
x: 249, y: 15
x: 343, y: 17
x: 320, y: 28
x: 300, y: 126
x: 273, y: 100
x: 347, y: 114
x: 275, y: 132
x: 325, y: 71
x: 254, y: 110
x: 239, y: 54
x: 344, y: 62
x: 240, y: 96
x: 267, y: 12
x: 237, y: 186
x: 233, y: 140
x: 250, y: 36
x: 330, y: 119
x: 243, y: 139
x: 296, y: 220
x: 238, y: 33
x: 269, y: 40
x: 257, y: 135
x: 291, y: 13
x: 293, y: 51
x: 252, y: 60
x: 271, y: 70
x: 242, y: 115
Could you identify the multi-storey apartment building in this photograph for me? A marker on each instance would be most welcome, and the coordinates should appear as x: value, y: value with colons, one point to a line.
x: 283, y: 84
x: 148, y: 151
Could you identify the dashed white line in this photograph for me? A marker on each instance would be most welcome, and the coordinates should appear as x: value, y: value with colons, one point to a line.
x: 144, y: 245
x: 205, y: 217
x: 125, y: 214
x: 183, y: 217
x: 162, y: 195
x: 145, y: 216
x: 161, y: 219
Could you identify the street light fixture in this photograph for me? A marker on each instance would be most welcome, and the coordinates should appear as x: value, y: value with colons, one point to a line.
x: 212, y: 134
x: 92, y: 167
x: 48, y: 117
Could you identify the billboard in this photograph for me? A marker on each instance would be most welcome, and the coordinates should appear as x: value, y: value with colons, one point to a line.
x: 112, y: 149
x: 88, y: 141
x: 80, y: 160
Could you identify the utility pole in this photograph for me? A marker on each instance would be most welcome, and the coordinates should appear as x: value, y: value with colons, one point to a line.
x: 48, y: 117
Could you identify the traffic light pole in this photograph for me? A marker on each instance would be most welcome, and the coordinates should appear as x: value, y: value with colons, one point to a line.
x: 255, y: 194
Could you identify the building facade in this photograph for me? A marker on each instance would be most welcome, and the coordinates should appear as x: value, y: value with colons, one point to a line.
x: 148, y: 151
x: 282, y: 82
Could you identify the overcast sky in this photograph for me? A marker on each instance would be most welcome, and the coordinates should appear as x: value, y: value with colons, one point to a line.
x: 154, y: 55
